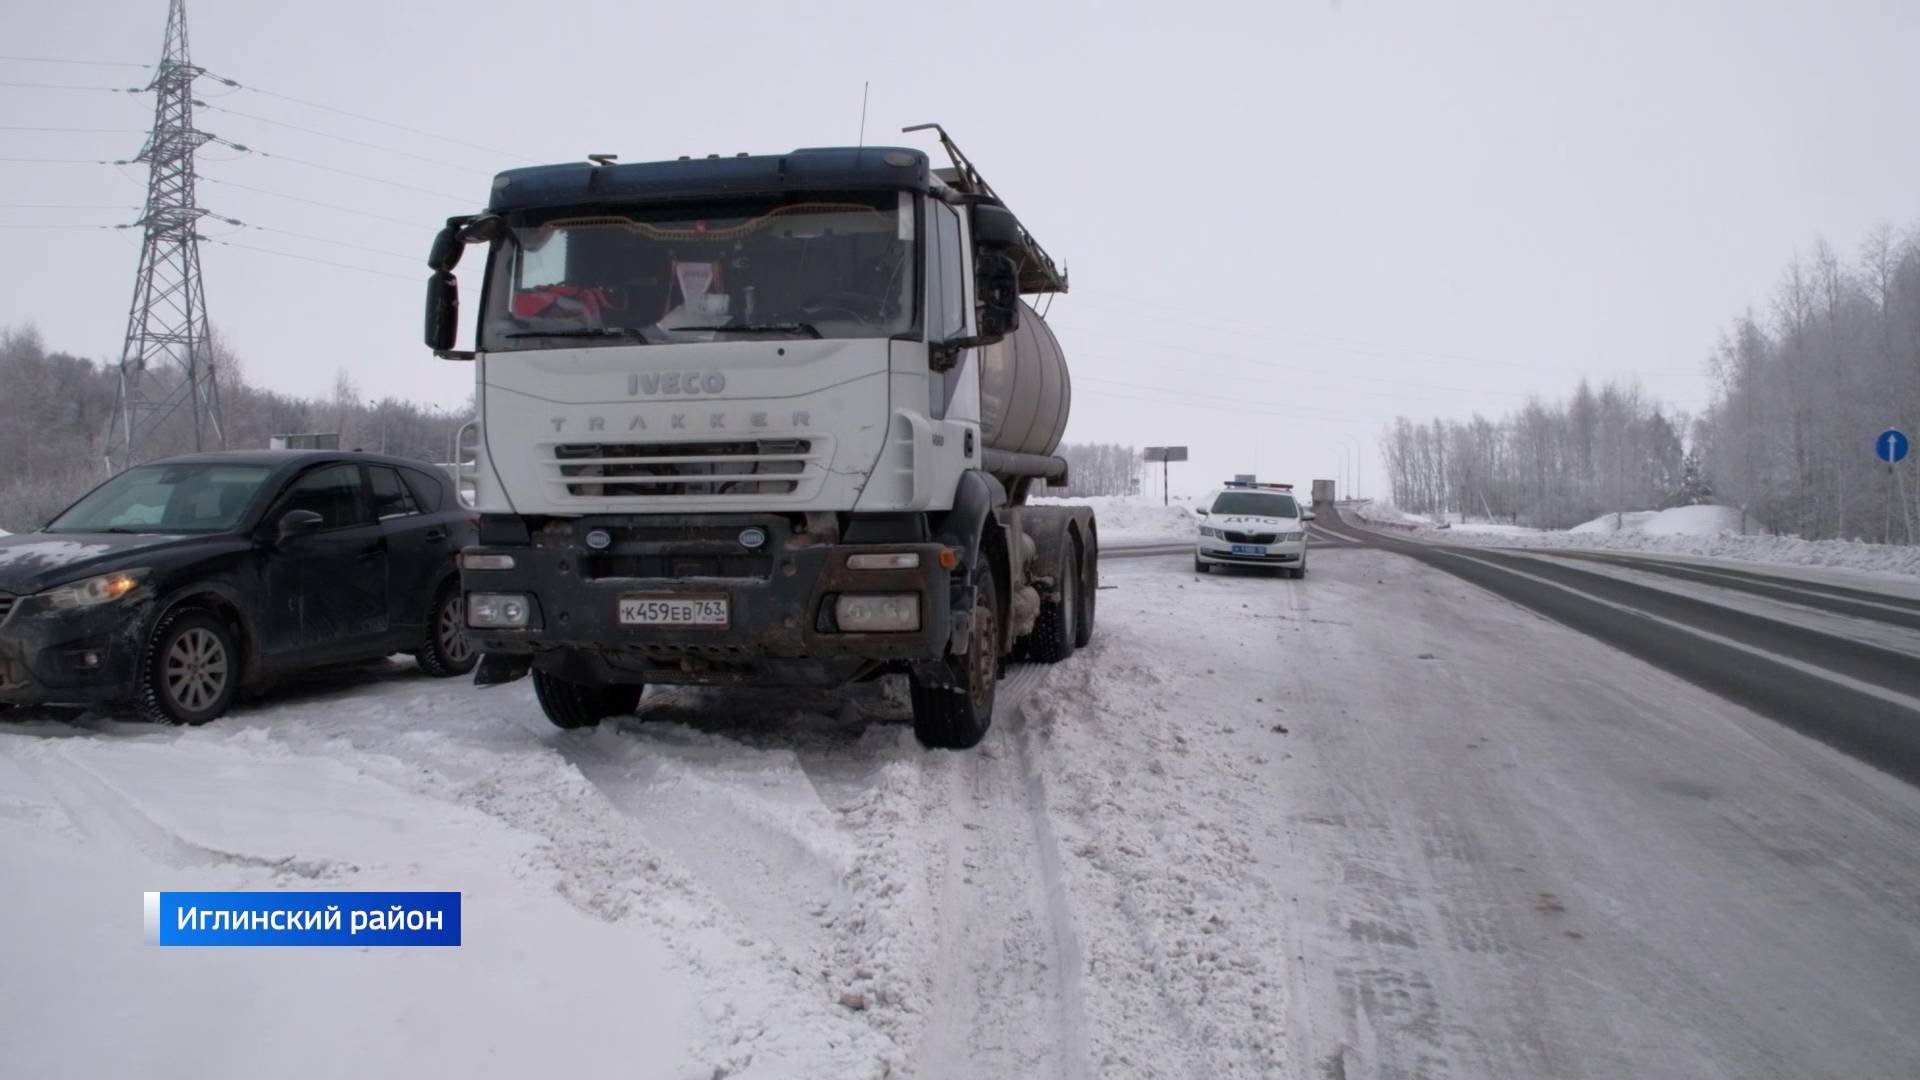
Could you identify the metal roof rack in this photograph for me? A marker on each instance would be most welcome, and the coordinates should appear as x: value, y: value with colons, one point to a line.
x: 1038, y: 272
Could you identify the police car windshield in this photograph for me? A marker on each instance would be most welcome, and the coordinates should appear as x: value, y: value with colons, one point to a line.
x: 1256, y: 504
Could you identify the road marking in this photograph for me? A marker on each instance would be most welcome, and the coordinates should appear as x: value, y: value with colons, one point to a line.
x: 1891, y: 696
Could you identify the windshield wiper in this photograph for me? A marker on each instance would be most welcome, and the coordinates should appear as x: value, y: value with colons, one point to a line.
x: 586, y: 332
x: 806, y: 328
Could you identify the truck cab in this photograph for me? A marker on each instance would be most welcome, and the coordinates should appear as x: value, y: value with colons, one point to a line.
x: 759, y: 420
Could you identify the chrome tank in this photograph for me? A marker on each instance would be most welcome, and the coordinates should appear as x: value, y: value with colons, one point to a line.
x: 1025, y: 393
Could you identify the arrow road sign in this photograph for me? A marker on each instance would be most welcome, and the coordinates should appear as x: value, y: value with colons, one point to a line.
x: 1891, y: 445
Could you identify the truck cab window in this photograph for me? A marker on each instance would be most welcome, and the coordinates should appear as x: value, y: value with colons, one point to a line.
x: 810, y: 266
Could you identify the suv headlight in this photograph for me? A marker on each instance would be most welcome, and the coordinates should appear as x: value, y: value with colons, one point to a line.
x: 91, y: 592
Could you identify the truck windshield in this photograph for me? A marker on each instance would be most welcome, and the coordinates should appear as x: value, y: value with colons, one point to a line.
x: 819, y: 266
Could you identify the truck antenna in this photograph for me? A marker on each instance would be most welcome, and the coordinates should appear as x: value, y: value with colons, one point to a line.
x: 863, y: 112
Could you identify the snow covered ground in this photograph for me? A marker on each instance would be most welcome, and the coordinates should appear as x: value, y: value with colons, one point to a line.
x: 1261, y: 827
x: 1701, y: 531
x: 1131, y: 518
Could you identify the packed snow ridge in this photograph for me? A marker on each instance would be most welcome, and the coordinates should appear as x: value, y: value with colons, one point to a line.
x: 1706, y: 531
x: 1129, y: 518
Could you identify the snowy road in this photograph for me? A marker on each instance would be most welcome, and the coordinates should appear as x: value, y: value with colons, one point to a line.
x: 1373, y: 822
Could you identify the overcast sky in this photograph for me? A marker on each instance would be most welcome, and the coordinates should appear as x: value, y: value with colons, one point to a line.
x: 1286, y: 222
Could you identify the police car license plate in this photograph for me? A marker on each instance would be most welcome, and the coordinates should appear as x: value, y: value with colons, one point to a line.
x: 674, y: 609
x: 1249, y: 549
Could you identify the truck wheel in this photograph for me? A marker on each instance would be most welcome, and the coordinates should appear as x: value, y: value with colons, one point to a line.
x: 1089, y: 591
x: 190, y: 671
x: 571, y: 705
x: 1055, y: 631
x: 445, y: 652
x: 955, y: 715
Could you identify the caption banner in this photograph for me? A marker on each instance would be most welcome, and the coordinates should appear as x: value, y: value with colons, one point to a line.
x: 357, y: 919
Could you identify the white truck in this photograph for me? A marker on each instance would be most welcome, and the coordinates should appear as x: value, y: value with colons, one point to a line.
x: 764, y: 420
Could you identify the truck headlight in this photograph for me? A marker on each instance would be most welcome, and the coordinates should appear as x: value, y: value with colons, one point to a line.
x: 870, y: 613
x: 485, y: 562
x: 497, y: 610
x: 892, y: 560
x: 92, y: 592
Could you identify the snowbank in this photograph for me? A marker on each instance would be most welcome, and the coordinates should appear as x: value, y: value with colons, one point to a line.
x: 1128, y: 518
x: 1704, y: 531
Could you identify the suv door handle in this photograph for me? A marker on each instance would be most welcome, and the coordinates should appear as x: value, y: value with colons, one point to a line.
x: 436, y: 535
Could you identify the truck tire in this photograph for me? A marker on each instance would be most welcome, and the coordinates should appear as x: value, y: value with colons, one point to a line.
x: 190, y: 671
x: 1057, y: 629
x: 955, y: 715
x: 571, y: 705
x: 444, y: 651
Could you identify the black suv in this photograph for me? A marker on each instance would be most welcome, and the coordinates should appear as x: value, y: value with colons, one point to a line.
x: 175, y: 585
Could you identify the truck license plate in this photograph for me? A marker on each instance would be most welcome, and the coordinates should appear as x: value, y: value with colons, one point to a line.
x: 674, y: 609
x: 1249, y: 549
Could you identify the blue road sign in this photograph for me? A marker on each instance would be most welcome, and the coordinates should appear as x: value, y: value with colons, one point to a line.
x: 1891, y: 445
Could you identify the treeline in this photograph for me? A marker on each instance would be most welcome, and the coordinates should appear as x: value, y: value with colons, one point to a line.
x: 56, y: 412
x: 1803, y: 390
x: 1098, y: 469
x: 1550, y: 466
x: 1800, y: 393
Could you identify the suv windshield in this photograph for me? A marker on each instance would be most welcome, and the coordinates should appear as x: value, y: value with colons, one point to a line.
x: 824, y: 266
x: 197, y: 498
x: 1256, y: 504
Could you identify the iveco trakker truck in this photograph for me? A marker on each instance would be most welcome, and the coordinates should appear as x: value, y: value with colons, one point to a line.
x: 764, y: 420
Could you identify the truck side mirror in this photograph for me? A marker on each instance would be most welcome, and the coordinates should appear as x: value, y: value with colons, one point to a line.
x: 443, y: 312
x: 448, y: 246
x: 994, y: 226
x: 997, y: 287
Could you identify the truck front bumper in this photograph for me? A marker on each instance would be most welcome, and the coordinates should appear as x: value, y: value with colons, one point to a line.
x: 781, y: 628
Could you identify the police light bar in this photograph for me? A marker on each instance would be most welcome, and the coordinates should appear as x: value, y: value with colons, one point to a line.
x: 1251, y: 484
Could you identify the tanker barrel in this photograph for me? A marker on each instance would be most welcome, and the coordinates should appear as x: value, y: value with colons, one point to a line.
x: 1025, y: 392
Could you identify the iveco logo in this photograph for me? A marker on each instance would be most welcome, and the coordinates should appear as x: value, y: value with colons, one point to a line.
x: 652, y: 383
x: 752, y: 538
x: 599, y: 539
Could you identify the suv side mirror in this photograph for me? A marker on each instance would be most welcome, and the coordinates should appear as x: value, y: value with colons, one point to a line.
x: 1308, y: 516
x: 1202, y: 513
x: 299, y: 523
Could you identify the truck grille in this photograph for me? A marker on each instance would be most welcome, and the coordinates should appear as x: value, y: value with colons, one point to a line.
x: 1250, y: 538
x: 678, y: 566
x: 790, y: 467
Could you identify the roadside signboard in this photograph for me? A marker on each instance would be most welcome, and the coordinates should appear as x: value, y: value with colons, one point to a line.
x: 1891, y: 445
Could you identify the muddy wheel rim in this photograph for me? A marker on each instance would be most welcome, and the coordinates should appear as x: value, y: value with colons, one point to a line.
x: 453, y: 644
x: 980, y: 659
x: 196, y: 669
x: 1069, y: 602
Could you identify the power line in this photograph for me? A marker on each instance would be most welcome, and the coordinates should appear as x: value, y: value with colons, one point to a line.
x: 61, y: 60
x: 308, y: 258
x: 67, y: 206
x: 76, y: 130
x: 344, y: 139
x: 244, y: 148
x: 414, y: 258
x: 357, y: 212
x: 63, y: 161
x: 75, y: 86
x: 362, y: 116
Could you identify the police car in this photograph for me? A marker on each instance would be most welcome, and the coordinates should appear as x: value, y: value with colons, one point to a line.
x: 1249, y: 524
